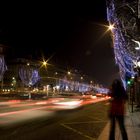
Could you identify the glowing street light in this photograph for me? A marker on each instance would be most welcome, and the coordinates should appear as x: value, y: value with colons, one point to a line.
x: 44, y: 63
x: 81, y: 78
x: 28, y: 64
x: 111, y: 27
x: 69, y: 72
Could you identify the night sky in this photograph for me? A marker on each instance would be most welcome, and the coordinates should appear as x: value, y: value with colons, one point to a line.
x: 71, y: 32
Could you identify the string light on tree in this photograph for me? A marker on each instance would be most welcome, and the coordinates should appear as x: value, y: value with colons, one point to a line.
x: 124, y: 16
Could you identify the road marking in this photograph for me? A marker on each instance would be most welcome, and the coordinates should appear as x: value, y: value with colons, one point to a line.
x: 78, y: 132
x: 97, y: 119
x: 86, y: 122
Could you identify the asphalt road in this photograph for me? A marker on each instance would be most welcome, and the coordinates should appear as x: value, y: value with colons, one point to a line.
x: 53, y: 121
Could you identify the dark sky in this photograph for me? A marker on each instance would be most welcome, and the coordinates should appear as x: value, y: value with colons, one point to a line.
x: 69, y: 30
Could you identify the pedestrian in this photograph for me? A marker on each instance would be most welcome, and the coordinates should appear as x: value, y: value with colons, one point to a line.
x: 117, y: 108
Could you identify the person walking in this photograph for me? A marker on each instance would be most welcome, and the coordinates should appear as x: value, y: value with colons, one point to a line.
x: 117, y: 109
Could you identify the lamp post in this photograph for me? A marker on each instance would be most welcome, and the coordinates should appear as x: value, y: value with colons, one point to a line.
x: 137, y: 81
x: 42, y: 70
x: 56, y: 80
x: 69, y: 83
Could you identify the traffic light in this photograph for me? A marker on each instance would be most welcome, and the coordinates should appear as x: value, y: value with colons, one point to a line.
x: 129, y: 79
x: 130, y: 82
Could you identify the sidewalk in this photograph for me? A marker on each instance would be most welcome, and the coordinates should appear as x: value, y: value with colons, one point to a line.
x: 132, y: 124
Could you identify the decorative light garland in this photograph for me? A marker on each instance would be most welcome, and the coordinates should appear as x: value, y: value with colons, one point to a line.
x: 65, y: 84
x: 28, y: 76
x: 3, y: 67
x: 125, y: 34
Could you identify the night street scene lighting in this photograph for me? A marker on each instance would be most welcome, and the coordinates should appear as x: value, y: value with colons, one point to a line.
x: 57, y: 64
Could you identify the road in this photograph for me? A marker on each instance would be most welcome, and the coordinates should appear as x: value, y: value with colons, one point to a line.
x: 53, y: 119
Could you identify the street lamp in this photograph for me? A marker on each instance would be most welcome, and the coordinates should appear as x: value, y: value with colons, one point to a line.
x: 91, y: 82
x: 13, y: 78
x: 44, y: 63
x: 56, y: 78
x: 69, y: 72
x: 111, y: 27
x: 81, y: 78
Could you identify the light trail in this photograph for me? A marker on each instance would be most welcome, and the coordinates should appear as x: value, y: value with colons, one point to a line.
x: 21, y: 111
x: 55, y: 106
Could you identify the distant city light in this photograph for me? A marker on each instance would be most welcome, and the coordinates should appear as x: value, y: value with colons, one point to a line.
x: 82, y: 78
x: 28, y: 64
x: 69, y: 72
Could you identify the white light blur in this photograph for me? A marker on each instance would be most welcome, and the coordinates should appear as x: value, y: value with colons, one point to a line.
x: 138, y: 63
x: 137, y: 48
x: 69, y: 72
x: 41, y: 103
x: 93, y: 97
x: 57, y: 87
x: 67, y: 88
x: 81, y: 78
x: 71, y: 103
x: 28, y: 64
x: 132, y: 77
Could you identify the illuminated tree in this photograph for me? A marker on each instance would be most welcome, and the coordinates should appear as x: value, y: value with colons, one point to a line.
x: 28, y: 75
x: 3, y: 67
x: 125, y: 15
